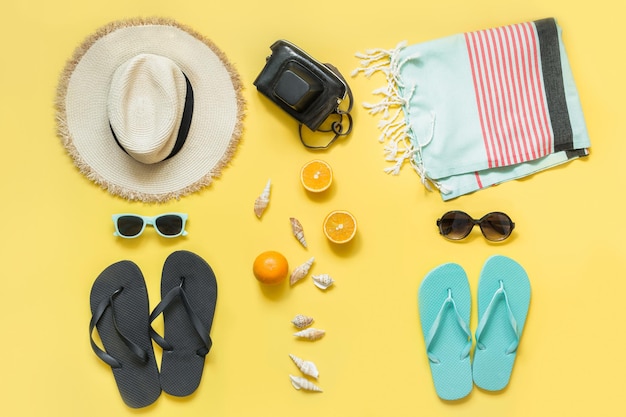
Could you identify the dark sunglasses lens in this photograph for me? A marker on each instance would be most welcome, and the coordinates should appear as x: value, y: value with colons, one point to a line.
x: 129, y: 226
x: 169, y: 225
x: 496, y: 226
x: 455, y: 225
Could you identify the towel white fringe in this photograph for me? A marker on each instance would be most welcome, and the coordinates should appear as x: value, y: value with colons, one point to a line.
x: 393, y: 124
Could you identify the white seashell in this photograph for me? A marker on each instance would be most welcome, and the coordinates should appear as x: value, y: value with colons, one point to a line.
x: 306, y: 367
x: 323, y: 281
x: 301, y: 271
x: 298, y: 230
x: 310, y: 334
x: 260, y: 204
x: 301, y: 321
x: 299, y: 382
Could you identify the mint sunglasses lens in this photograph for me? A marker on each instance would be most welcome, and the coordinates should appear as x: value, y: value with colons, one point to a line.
x: 169, y: 225
x: 455, y: 225
x: 129, y: 226
x: 496, y: 226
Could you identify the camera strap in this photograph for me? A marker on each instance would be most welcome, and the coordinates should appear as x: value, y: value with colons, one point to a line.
x: 337, y: 126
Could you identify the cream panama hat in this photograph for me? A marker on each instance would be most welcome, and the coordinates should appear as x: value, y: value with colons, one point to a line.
x: 149, y: 109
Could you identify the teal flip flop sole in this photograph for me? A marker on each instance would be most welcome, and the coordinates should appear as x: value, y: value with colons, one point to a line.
x: 444, y: 306
x: 503, y: 302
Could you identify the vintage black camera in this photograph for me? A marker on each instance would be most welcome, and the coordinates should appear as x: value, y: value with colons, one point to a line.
x: 306, y: 89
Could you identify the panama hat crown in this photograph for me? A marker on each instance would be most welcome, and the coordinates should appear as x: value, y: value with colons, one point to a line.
x: 146, y: 105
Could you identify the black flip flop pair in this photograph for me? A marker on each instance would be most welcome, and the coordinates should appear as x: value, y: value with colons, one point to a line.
x: 121, y: 315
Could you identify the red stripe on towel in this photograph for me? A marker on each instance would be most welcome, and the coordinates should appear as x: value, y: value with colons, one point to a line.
x: 506, y: 71
x: 478, y: 181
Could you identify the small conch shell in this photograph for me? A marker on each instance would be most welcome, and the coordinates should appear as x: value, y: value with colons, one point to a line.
x: 301, y: 271
x: 299, y: 382
x: 323, y: 281
x: 297, y: 230
x: 310, y: 334
x: 306, y: 367
x: 301, y: 321
x: 260, y: 204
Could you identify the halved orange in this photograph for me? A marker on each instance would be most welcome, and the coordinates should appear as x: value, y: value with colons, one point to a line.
x: 340, y: 226
x: 316, y: 176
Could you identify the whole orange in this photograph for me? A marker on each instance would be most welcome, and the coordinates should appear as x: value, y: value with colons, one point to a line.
x: 270, y: 267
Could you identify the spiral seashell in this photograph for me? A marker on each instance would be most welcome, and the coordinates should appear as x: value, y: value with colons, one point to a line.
x: 301, y: 321
x: 323, y: 281
x: 306, y: 367
x: 262, y: 201
x: 298, y: 230
x: 310, y: 334
x: 301, y: 271
x: 299, y: 382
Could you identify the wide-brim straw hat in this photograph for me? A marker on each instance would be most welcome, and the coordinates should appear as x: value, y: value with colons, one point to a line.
x: 149, y: 109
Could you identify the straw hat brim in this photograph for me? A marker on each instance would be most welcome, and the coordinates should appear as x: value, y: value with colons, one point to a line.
x: 83, y: 125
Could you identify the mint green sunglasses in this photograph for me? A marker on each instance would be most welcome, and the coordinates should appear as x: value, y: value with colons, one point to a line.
x: 168, y: 225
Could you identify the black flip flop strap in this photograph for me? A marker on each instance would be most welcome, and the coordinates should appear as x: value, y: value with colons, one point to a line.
x: 193, y: 317
x: 133, y: 347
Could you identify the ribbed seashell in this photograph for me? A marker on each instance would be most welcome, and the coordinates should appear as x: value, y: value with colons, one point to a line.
x: 299, y: 382
x: 301, y: 271
x: 323, y: 281
x: 298, y: 230
x: 301, y: 321
x: 260, y: 204
x: 306, y: 367
x: 310, y: 334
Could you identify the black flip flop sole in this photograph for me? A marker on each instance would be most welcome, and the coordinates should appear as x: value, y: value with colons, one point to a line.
x: 137, y: 379
x: 182, y: 365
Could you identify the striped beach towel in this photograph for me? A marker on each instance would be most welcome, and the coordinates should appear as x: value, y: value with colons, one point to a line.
x: 476, y: 109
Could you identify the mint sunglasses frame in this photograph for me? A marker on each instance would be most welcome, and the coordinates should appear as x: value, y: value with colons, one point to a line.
x: 150, y: 221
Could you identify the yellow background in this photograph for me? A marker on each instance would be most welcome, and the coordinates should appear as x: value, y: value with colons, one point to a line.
x: 57, y: 233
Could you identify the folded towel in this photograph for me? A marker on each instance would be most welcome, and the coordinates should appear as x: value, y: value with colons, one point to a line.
x: 477, y: 109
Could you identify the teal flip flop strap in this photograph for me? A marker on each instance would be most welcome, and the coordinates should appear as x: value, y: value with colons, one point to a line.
x: 499, y: 294
x: 434, y: 329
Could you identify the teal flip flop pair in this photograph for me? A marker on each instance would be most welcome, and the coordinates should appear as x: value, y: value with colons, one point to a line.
x: 121, y: 316
x: 444, y: 306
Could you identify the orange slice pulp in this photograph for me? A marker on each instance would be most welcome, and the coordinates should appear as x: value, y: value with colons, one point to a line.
x: 340, y: 226
x: 316, y: 176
